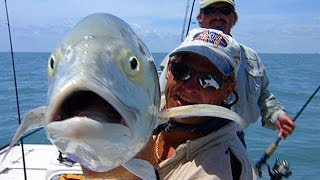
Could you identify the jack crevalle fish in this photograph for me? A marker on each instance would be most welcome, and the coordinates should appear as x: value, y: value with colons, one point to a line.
x: 103, y: 95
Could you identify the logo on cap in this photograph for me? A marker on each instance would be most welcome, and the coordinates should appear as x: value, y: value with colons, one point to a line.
x: 211, y: 37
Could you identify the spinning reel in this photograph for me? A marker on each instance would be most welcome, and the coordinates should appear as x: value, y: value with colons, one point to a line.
x: 280, y: 169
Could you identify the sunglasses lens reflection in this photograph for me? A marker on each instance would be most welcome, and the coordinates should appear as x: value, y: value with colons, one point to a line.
x: 182, y: 72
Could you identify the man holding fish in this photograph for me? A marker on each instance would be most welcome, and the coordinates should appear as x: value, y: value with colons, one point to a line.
x: 202, y: 70
x: 90, y: 117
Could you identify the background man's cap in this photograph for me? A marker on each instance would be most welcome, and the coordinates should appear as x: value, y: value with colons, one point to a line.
x: 221, y: 49
x: 205, y: 3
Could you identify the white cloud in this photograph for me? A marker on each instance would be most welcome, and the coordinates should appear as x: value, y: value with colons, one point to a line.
x: 157, y: 40
x: 159, y: 23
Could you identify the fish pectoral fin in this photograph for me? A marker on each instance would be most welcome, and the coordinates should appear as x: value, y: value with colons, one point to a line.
x: 200, y: 110
x: 34, y: 119
x: 141, y: 168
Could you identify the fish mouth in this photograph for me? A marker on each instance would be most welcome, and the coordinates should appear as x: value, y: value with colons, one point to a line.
x: 90, y: 105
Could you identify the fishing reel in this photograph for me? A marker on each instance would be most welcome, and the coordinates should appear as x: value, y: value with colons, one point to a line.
x: 280, y: 169
x: 65, y: 160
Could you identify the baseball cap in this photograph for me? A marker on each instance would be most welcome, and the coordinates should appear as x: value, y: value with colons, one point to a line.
x: 205, y: 3
x: 220, y: 49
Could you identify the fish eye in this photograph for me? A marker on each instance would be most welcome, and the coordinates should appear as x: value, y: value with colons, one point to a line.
x: 51, y: 65
x: 133, y: 63
x: 132, y: 67
x: 51, y: 62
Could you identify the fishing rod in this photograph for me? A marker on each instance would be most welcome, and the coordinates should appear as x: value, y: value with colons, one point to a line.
x: 191, y: 12
x: 275, y: 144
x: 185, y: 19
x: 16, y: 89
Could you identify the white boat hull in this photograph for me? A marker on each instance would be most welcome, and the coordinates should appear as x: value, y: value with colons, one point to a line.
x: 40, y: 160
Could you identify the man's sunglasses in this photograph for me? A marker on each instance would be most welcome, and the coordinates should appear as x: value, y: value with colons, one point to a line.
x: 212, y: 10
x: 183, y: 72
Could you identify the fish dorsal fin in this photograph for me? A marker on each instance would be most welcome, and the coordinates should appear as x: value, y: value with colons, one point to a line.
x: 200, y: 110
x: 141, y: 168
x: 34, y: 119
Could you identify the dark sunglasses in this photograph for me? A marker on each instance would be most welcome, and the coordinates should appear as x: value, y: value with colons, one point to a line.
x: 212, y: 10
x: 183, y: 72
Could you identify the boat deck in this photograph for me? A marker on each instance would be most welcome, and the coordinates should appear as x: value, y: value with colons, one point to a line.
x: 40, y: 160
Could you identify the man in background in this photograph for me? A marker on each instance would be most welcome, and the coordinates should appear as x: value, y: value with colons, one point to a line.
x: 254, y: 98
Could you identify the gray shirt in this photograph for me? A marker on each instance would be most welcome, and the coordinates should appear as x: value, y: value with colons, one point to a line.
x: 208, y: 157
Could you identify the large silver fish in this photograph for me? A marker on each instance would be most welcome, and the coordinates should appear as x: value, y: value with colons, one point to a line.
x: 103, y: 96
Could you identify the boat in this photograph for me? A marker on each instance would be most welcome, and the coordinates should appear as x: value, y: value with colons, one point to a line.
x: 39, y: 161
x: 42, y: 161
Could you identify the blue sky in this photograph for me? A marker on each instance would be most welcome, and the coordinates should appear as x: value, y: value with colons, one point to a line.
x: 268, y: 26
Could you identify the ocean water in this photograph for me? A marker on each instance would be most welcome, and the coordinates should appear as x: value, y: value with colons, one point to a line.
x: 293, y: 78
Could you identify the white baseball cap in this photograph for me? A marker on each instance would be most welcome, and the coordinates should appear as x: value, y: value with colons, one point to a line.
x: 205, y: 3
x: 221, y: 49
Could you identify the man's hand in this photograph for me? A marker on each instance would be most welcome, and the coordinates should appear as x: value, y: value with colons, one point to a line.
x: 285, y: 125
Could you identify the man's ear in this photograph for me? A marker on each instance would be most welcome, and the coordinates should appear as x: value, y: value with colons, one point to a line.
x: 232, y: 86
x: 167, y: 69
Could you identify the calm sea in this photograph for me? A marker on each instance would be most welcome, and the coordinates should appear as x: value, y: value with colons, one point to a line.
x: 293, y: 78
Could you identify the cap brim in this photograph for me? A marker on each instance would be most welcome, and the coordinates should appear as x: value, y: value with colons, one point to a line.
x: 215, y: 56
x: 207, y: 3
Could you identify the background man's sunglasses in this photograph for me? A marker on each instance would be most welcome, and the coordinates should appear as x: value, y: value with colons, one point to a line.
x: 212, y: 10
x: 183, y: 72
